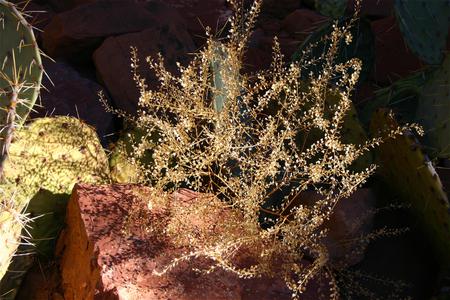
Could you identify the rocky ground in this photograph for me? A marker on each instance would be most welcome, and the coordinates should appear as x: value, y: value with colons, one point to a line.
x: 88, y: 44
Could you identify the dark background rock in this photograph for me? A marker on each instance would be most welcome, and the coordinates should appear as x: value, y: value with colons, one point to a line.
x: 74, y: 95
x: 76, y: 33
x: 113, y: 63
x: 200, y: 14
x: 302, y: 22
x: 373, y: 8
x: 62, y: 5
x: 393, y: 59
x: 280, y: 8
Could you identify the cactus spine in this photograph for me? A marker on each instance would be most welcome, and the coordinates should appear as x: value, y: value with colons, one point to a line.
x: 20, y: 74
x: 52, y: 154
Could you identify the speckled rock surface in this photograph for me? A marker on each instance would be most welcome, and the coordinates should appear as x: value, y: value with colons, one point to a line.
x: 99, y: 262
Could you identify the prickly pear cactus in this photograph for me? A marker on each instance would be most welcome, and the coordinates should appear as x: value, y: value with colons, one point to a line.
x: 20, y: 73
x: 424, y: 25
x: 407, y: 170
x: 49, y: 211
x: 123, y: 170
x: 225, y: 76
x: 402, y: 97
x: 54, y: 154
x: 219, y: 93
x: 433, y: 111
x: 12, y: 222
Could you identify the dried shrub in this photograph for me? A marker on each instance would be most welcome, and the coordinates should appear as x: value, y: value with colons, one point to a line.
x: 239, y: 139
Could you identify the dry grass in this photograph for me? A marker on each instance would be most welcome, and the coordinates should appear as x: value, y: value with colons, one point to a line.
x: 238, y: 139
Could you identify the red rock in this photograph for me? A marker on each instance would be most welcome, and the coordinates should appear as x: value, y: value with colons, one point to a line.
x: 112, y: 59
x: 288, y: 47
x: 40, y: 283
x: 302, y: 22
x: 271, y: 26
x: 76, y: 33
x: 352, y: 218
x: 280, y: 8
x: 99, y: 260
x: 200, y: 14
x: 73, y: 95
x: 256, y: 59
x: 393, y: 59
x: 62, y: 5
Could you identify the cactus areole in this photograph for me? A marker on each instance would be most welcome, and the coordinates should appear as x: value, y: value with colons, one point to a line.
x: 20, y: 73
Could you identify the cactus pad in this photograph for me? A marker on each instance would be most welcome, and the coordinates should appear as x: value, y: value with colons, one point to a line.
x: 49, y: 210
x: 12, y: 222
x: 54, y: 154
x: 424, y: 25
x: 402, y: 97
x: 20, y: 74
x: 20, y: 61
x: 122, y: 168
x: 407, y: 170
x: 433, y: 111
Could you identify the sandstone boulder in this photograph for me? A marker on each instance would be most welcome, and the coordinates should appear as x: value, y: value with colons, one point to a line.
x: 76, y: 33
x: 69, y: 93
x: 302, y: 22
x: 113, y: 64
x: 200, y: 14
x: 103, y: 257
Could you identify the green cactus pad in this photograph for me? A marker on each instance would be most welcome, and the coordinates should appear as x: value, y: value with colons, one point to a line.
x: 433, y: 111
x: 407, y: 170
x: 219, y: 94
x: 402, y: 97
x: 20, y: 62
x: 12, y: 221
x: 361, y: 47
x: 49, y: 210
x: 122, y: 168
x: 424, y: 25
x: 54, y: 154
